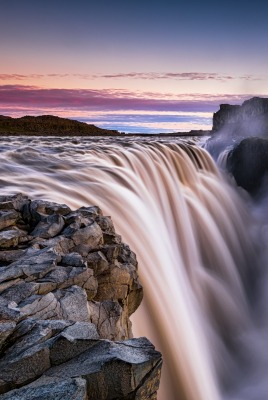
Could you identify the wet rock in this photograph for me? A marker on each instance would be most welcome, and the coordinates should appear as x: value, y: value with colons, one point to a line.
x: 248, y: 163
x: 110, y: 319
x: 6, y: 329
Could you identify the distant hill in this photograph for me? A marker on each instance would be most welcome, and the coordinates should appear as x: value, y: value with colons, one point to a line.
x: 49, y: 125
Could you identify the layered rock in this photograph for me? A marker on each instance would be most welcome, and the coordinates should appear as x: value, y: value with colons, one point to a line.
x: 252, y: 115
x: 68, y: 286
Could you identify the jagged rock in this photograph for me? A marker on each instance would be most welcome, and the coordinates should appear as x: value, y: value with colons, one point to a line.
x: 66, y: 283
x: 12, y: 238
x: 251, y: 115
x: 110, y: 319
x: 16, y: 202
x: 6, y: 329
x: 48, y: 227
x: 8, y: 218
x: 71, y: 389
x: 248, y: 163
x: 115, y: 370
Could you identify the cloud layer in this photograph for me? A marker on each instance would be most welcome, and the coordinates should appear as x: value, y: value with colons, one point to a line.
x: 116, y: 109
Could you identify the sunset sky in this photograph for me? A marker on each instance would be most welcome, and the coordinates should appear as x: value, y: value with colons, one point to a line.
x: 140, y: 66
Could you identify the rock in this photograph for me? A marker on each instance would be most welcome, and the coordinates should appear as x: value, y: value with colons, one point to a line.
x: 15, y: 202
x: 6, y: 329
x: 115, y: 370
x: 12, y: 238
x: 67, y: 286
x: 248, y: 163
x: 71, y: 389
x: 48, y: 227
x: 8, y: 218
x: 110, y: 319
x: 251, y: 115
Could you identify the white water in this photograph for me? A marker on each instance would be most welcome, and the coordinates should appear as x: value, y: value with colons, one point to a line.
x: 193, y: 238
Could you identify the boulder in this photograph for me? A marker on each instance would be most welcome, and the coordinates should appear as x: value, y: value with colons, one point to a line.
x: 248, y: 163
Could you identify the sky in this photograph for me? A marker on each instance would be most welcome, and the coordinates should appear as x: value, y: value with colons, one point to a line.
x: 139, y: 66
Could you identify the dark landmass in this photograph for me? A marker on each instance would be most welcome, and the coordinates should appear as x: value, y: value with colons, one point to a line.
x: 248, y: 119
x: 49, y: 125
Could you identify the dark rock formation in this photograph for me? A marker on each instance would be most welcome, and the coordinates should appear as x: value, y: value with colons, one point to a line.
x: 68, y: 286
x: 248, y: 163
x: 251, y: 118
x: 49, y: 125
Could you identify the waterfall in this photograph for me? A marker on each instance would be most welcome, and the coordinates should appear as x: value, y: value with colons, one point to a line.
x: 189, y: 229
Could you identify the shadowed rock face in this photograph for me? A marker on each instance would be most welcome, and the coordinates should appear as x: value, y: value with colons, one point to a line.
x: 251, y: 115
x: 248, y: 163
x: 67, y: 282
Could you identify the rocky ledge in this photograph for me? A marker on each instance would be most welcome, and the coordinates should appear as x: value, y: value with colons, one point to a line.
x: 68, y: 286
x: 249, y: 119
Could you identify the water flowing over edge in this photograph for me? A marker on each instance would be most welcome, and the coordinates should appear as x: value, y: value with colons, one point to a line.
x: 190, y: 231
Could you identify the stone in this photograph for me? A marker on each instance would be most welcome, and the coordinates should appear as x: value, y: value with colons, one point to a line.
x: 6, y: 329
x: 48, y: 227
x: 248, y: 163
x: 8, y: 218
x: 71, y: 389
x: 32, y: 265
x: 115, y: 370
x: 15, y: 202
x: 90, y: 235
x: 12, y: 238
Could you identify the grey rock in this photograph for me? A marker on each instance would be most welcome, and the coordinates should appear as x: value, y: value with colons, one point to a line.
x: 12, y: 238
x: 6, y: 329
x: 32, y: 265
x: 15, y: 202
x: 9, y: 256
x: 90, y: 212
x: 71, y: 389
x: 74, y: 260
x: 110, y: 319
x: 8, y: 218
x: 49, y: 227
x: 115, y: 370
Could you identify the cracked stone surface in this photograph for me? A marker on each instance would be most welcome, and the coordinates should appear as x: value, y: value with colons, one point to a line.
x: 68, y: 286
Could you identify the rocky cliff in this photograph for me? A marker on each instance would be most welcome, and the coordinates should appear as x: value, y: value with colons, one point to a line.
x: 68, y: 286
x: 49, y: 125
x: 252, y: 116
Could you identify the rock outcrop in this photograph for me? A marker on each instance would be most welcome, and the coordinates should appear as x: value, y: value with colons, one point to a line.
x: 251, y: 118
x: 50, y: 125
x: 248, y: 163
x: 68, y: 286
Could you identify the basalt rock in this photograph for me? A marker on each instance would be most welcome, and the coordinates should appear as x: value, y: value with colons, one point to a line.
x: 68, y: 286
x: 248, y: 163
x: 252, y: 115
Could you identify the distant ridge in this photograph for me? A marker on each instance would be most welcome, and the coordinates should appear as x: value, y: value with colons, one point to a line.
x: 49, y: 125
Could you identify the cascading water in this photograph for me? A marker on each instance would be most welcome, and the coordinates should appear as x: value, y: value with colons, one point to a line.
x: 190, y: 231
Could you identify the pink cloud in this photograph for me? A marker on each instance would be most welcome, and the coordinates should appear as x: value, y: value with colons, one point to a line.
x: 182, y: 76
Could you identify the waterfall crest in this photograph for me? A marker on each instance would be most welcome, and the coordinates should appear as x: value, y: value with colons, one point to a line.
x: 187, y: 227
